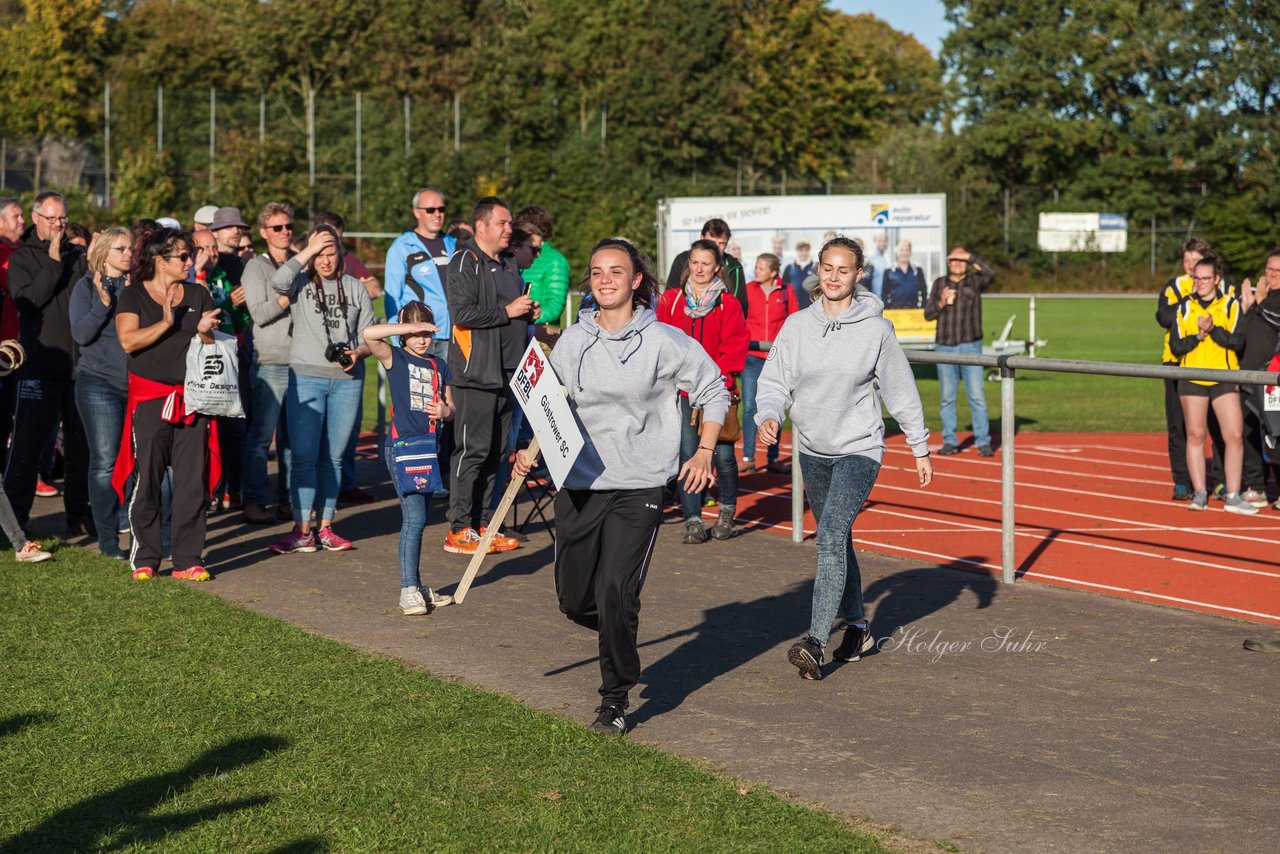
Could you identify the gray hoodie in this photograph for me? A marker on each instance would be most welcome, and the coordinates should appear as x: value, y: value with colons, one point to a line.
x: 624, y: 389
x: 834, y: 374
x: 341, y: 320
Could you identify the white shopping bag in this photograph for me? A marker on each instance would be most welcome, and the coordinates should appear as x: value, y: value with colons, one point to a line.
x: 213, y: 377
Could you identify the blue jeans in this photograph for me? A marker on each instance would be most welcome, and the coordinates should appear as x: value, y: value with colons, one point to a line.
x: 413, y: 521
x: 949, y: 382
x: 750, y: 379
x: 726, y: 468
x: 102, y: 405
x: 348, y: 479
x: 268, y: 384
x: 837, y: 488
x: 320, y: 412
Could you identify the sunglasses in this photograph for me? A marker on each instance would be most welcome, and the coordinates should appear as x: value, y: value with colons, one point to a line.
x: 184, y: 257
x: 288, y: 226
x: 432, y: 210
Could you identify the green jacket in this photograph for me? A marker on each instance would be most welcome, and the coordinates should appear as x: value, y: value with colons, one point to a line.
x: 548, y: 280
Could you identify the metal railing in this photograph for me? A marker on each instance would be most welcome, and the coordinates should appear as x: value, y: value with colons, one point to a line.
x: 1008, y: 365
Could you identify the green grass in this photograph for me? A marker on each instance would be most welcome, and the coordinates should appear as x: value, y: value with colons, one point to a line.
x: 152, y: 715
x: 1100, y: 330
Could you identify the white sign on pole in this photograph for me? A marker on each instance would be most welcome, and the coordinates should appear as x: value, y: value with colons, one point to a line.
x: 540, y: 395
x: 1083, y: 232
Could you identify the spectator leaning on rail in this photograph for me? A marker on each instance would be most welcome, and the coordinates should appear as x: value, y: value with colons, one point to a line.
x: 548, y: 275
x: 1208, y: 334
x: 491, y: 316
x: 772, y: 301
x: 735, y: 283
x: 42, y: 272
x: 156, y: 319
x: 1171, y: 296
x: 417, y: 266
x: 102, y: 377
x: 269, y: 371
x: 1261, y: 307
x: 956, y: 304
x: 330, y: 312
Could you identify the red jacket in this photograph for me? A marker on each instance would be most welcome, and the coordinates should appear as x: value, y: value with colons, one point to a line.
x: 722, y: 332
x: 8, y: 311
x: 765, y: 314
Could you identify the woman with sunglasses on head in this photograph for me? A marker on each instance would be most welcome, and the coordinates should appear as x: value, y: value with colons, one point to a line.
x: 156, y: 319
x: 330, y: 312
x: 102, y: 376
x: 622, y: 369
x: 833, y: 365
x: 705, y: 311
x: 1207, y: 333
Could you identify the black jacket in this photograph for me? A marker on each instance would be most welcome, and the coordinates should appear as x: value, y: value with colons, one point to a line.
x: 478, y: 314
x: 41, y: 289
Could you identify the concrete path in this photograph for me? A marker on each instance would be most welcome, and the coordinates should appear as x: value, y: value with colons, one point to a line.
x: 993, y: 718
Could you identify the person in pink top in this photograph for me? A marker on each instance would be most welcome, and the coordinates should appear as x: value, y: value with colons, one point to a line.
x: 769, y: 301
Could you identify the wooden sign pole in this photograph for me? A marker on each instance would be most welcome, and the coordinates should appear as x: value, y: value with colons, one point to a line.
x: 508, y: 498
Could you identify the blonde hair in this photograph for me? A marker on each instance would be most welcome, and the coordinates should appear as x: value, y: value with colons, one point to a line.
x: 102, y: 247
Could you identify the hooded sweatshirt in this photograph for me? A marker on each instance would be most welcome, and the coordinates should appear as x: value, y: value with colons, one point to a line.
x: 834, y: 374
x: 623, y: 388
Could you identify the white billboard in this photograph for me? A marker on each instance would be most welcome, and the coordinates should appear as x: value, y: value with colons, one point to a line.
x: 778, y: 224
x: 1083, y: 232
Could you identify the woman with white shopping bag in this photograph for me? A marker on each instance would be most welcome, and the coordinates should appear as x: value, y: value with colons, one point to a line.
x: 156, y: 320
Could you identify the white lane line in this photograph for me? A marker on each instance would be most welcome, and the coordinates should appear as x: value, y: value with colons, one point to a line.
x: 1022, y: 449
x: 1067, y: 540
x: 1162, y: 454
x: 1072, y: 581
x: 1076, y: 474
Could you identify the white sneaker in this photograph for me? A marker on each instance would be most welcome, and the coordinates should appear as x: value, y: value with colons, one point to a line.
x: 438, y: 601
x: 32, y: 553
x: 1233, y: 503
x: 411, y: 602
x: 1254, y: 497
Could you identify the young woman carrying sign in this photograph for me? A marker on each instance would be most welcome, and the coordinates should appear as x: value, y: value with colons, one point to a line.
x: 623, y: 371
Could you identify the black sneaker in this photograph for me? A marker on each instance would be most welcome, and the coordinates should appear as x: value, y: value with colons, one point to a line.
x: 610, y: 720
x: 985, y: 451
x: 806, y: 655
x: 1181, y: 492
x: 857, y: 640
x: 947, y: 450
x: 695, y: 533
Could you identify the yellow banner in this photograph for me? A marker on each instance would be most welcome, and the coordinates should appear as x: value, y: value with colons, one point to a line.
x: 911, y: 327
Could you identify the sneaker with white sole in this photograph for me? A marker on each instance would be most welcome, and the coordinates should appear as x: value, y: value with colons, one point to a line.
x: 806, y: 655
x: 412, y: 603
x: 32, y: 553
x: 1233, y: 502
x: 857, y: 640
x: 1199, y: 500
x: 437, y: 600
x: 331, y: 541
x: 1255, y: 497
x: 295, y: 541
x: 610, y: 720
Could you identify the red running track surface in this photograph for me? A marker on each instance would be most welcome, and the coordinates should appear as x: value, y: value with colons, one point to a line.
x: 1092, y: 513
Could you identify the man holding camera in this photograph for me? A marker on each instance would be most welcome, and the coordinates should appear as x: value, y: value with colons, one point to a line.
x: 955, y: 302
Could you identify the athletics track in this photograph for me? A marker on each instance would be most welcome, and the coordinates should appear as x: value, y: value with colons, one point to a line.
x: 1092, y: 514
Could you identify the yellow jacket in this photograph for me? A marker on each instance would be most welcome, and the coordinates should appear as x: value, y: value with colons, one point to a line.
x: 1218, y: 349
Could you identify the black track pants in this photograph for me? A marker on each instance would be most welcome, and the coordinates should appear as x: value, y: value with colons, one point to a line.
x: 604, y: 541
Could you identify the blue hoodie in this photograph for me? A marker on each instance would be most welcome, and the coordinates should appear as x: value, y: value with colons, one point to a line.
x: 834, y: 375
x: 623, y: 387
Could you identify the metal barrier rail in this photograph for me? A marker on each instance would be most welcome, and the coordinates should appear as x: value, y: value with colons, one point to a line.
x: 1007, y: 366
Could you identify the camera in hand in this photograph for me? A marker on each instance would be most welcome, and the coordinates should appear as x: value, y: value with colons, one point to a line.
x: 337, y: 353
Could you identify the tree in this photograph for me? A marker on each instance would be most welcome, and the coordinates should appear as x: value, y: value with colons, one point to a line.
x: 49, y: 68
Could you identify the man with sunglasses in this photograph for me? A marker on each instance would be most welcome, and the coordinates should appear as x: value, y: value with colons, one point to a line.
x: 269, y: 370
x: 42, y: 272
x: 417, y: 266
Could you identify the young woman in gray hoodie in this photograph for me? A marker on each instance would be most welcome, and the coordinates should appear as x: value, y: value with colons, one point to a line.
x: 834, y: 364
x: 623, y: 370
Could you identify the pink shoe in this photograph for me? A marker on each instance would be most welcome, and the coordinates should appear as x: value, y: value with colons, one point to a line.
x: 192, y: 573
x: 331, y: 541
x: 295, y: 541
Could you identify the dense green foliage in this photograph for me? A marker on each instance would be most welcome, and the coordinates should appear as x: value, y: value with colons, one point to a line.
x: 1163, y: 110
x: 154, y: 717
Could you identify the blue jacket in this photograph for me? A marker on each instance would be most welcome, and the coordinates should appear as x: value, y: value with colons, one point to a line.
x: 426, y: 275
x: 93, y: 327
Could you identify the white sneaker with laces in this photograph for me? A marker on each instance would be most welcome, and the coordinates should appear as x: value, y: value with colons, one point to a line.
x: 411, y: 602
x: 1232, y: 502
x: 32, y: 553
x: 1254, y: 497
x: 437, y: 600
